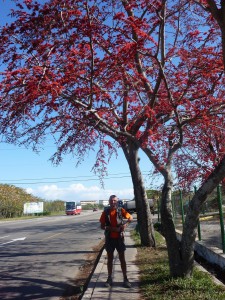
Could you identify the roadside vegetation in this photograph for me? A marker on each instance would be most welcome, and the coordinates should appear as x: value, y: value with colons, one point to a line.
x: 157, y: 284
x: 12, y: 201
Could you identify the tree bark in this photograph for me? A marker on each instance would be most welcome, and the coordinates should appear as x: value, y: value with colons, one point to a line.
x: 192, y: 216
x: 181, y: 253
x: 168, y: 228
x: 144, y: 217
x: 219, y: 15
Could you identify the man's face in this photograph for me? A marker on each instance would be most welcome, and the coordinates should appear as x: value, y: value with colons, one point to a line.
x: 113, y: 202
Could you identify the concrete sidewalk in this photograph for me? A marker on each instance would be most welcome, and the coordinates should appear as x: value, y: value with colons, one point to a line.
x: 96, y: 289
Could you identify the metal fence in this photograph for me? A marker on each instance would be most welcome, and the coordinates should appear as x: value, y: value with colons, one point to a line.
x: 211, y: 221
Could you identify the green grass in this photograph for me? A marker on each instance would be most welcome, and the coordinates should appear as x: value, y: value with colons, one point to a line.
x: 24, y: 217
x: 156, y: 283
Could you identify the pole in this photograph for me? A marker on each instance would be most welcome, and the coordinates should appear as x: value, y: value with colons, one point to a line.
x: 199, y: 227
x: 182, y: 207
x: 221, y: 216
x: 158, y: 208
x: 173, y: 209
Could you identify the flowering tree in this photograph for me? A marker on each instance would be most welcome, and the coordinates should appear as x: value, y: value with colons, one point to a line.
x: 204, y: 160
x: 195, y: 139
x: 145, y: 74
x: 64, y: 77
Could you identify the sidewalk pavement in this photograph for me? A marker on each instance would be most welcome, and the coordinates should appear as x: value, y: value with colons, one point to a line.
x: 96, y: 289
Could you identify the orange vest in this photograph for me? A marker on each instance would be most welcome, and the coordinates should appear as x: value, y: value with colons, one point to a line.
x: 113, y: 220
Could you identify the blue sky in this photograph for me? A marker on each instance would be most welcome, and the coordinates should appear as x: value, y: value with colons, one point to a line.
x: 36, y: 174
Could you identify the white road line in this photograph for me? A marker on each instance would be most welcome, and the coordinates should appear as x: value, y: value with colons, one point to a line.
x: 2, y: 237
x: 13, y: 240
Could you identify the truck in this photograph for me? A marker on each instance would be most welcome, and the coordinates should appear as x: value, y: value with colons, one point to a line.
x: 72, y: 208
x: 130, y: 206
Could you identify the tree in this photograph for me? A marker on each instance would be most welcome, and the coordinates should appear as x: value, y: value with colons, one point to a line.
x: 210, y: 152
x: 54, y: 206
x: 145, y: 74
x: 203, y: 160
x: 63, y: 50
x: 12, y: 201
x: 194, y: 112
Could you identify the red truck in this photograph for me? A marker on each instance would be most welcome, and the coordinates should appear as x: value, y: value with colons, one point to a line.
x: 72, y: 208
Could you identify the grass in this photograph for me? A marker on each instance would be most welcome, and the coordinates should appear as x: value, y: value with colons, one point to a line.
x: 33, y: 216
x: 156, y: 283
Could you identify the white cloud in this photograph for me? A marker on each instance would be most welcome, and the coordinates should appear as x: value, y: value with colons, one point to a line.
x: 78, y: 192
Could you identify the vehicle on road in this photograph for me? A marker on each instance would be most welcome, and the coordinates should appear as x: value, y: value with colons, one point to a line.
x: 130, y: 206
x: 72, y: 208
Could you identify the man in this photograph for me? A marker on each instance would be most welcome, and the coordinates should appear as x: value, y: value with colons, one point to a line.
x: 112, y: 222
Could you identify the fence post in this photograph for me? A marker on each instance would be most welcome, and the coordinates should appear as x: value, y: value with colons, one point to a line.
x: 221, y: 216
x: 173, y: 210
x: 199, y: 227
x: 158, y: 208
x: 182, y: 207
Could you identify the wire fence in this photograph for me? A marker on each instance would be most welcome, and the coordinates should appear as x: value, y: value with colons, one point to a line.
x: 211, y: 220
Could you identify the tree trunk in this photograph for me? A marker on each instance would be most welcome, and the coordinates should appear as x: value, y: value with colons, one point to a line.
x: 192, y: 216
x: 219, y: 15
x: 168, y: 228
x: 181, y: 254
x: 144, y: 216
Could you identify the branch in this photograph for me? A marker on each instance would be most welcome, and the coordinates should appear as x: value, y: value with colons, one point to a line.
x: 162, y: 34
x: 193, y: 160
x: 125, y: 119
x: 219, y: 16
x: 214, y: 10
x: 161, y: 168
x: 92, y: 57
x: 137, y: 56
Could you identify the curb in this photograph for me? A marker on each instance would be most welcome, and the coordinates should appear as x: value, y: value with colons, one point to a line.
x: 95, y: 276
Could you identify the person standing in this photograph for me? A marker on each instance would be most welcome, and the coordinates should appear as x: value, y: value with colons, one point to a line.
x: 112, y: 222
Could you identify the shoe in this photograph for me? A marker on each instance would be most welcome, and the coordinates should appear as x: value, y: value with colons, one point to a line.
x: 108, y: 282
x: 126, y: 283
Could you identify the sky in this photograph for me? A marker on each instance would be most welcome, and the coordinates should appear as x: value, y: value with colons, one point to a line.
x: 38, y: 176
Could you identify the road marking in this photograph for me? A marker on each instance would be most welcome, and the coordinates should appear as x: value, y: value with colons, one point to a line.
x: 2, y: 237
x: 14, y: 240
x: 51, y: 236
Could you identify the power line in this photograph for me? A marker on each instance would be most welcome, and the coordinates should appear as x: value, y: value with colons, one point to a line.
x: 72, y: 179
x: 63, y: 177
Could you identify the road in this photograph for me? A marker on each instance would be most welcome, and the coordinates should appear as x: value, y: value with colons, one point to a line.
x: 40, y: 257
x: 210, y: 232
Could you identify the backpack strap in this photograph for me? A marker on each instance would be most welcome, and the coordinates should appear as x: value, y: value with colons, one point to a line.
x: 107, y: 222
x: 119, y: 216
x: 107, y: 217
x: 120, y: 221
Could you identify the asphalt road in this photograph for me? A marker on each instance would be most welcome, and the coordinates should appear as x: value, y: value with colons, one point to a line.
x: 210, y: 232
x: 39, y: 258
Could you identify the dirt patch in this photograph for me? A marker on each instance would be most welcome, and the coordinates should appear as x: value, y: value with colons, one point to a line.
x: 80, y: 284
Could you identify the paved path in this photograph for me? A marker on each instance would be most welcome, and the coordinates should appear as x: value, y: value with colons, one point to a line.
x: 96, y: 289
